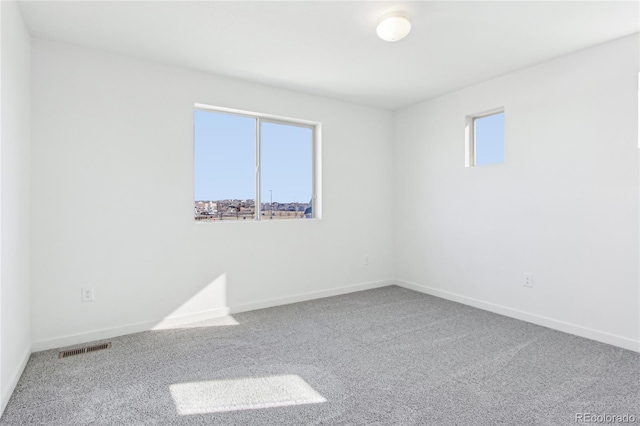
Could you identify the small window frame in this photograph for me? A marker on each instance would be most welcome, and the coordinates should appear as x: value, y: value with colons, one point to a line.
x: 316, y: 149
x: 470, y: 137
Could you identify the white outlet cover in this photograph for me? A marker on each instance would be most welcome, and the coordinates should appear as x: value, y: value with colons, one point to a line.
x: 88, y: 294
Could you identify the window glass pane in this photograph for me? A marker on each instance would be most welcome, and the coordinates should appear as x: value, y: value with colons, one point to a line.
x: 489, y: 139
x: 224, y: 166
x: 286, y: 171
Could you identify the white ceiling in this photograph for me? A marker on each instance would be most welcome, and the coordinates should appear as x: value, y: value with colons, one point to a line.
x: 330, y: 48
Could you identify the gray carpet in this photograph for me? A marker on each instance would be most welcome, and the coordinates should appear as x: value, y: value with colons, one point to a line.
x: 388, y: 356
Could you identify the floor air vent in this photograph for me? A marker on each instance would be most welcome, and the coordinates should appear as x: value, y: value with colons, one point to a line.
x: 84, y: 350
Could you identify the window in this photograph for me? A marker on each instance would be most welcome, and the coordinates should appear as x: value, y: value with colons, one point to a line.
x: 485, y: 138
x: 251, y: 166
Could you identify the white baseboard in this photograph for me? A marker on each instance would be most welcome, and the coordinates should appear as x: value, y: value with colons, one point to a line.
x: 600, y: 336
x: 80, y: 338
x: 269, y: 303
x: 108, y: 333
x: 179, y: 320
x: 6, y: 394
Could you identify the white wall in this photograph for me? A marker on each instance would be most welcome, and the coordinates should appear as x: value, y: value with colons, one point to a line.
x: 112, y: 195
x: 564, y: 206
x: 112, y: 139
x: 15, y: 335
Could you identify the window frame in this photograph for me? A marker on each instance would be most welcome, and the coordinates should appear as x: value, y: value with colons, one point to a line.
x: 470, y: 135
x: 316, y: 132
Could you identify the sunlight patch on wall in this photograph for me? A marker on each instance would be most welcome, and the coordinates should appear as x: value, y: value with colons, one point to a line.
x: 250, y: 393
x: 206, y: 304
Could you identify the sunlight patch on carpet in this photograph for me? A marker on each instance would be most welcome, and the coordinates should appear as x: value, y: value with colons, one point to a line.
x: 250, y: 393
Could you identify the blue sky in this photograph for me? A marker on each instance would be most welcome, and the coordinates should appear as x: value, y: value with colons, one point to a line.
x: 489, y: 139
x: 225, y: 159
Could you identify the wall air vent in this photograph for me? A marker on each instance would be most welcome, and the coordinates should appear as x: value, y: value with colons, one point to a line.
x: 85, y: 350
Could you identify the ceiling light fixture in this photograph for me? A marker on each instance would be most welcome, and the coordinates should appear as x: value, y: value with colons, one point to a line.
x: 393, y: 27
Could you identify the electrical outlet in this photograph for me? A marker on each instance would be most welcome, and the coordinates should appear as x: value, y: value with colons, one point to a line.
x: 366, y: 259
x: 528, y: 279
x: 88, y: 294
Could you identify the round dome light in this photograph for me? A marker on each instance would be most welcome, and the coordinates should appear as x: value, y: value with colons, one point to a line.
x: 393, y: 28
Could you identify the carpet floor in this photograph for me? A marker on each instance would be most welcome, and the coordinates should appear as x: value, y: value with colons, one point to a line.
x: 388, y: 356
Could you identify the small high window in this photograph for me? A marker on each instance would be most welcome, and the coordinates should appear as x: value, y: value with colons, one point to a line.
x: 485, y: 138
